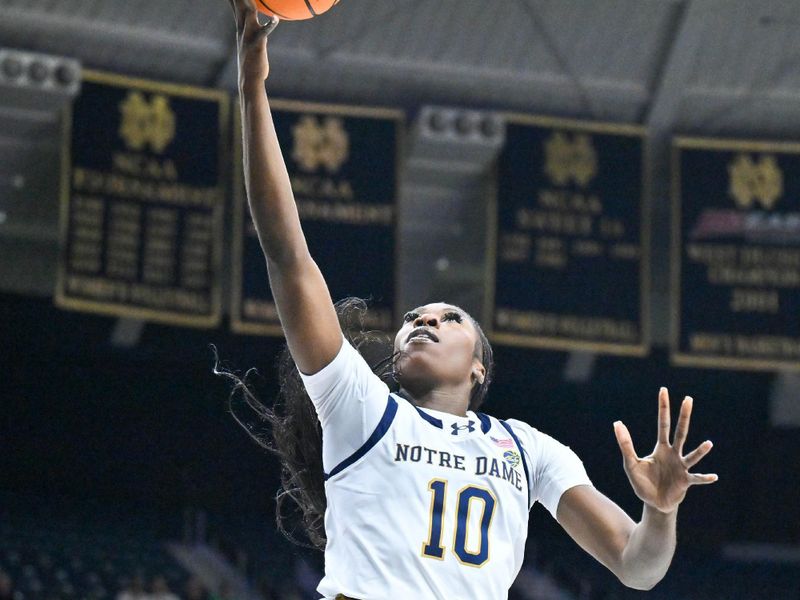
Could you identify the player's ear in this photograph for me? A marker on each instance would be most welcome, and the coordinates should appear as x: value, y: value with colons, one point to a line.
x: 478, y: 372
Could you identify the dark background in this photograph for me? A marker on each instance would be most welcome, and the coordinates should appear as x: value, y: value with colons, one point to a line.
x: 149, y: 426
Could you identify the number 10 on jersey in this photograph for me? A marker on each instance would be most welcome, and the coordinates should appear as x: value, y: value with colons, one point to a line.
x: 469, y: 498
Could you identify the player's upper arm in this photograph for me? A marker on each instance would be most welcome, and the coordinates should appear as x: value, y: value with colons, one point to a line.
x: 306, y: 311
x: 350, y: 401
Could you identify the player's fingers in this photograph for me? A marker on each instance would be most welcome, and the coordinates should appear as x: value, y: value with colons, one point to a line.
x: 696, y: 455
x: 682, y: 430
x: 702, y: 478
x: 663, y: 416
x: 625, y: 443
x: 254, y: 30
x: 270, y: 26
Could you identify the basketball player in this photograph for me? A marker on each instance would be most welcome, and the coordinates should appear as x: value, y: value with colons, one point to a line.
x: 423, y: 496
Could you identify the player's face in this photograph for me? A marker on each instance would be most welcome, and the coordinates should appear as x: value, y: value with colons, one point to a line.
x: 437, y: 345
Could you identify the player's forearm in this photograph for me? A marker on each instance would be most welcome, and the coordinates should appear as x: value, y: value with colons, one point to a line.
x: 648, y: 553
x: 301, y: 296
x: 269, y: 190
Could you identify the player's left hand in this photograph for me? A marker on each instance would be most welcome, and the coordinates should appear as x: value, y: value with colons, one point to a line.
x: 662, y: 478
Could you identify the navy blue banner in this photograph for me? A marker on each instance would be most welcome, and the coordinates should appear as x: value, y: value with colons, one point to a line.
x: 570, y: 250
x: 343, y: 164
x: 142, y: 201
x: 736, y: 254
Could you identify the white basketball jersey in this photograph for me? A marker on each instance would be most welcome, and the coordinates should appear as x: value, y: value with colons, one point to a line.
x: 424, y: 504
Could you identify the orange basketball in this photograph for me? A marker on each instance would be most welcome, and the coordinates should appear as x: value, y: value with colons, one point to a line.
x: 294, y: 10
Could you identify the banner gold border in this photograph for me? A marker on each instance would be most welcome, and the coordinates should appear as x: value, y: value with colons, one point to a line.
x: 677, y: 357
x: 112, y: 309
x: 549, y: 343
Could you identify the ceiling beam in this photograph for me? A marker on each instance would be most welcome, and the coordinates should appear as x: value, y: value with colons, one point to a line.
x: 98, y: 34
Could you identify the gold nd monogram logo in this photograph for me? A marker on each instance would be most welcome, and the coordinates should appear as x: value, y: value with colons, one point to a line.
x: 572, y: 159
x: 146, y: 123
x: 753, y: 181
x: 320, y: 143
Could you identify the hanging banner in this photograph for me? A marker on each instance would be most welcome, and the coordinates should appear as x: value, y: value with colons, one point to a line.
x: 343, y: 164
x: 736, y: 254
x: 142, y: 197
x: 569, y: 254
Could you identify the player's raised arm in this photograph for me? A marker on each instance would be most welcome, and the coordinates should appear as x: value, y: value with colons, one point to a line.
x: 639, y: 553
x: 302, y: 298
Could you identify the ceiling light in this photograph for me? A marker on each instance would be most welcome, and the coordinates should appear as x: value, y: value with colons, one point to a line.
x: 38, y: 71
x: 11, y: 67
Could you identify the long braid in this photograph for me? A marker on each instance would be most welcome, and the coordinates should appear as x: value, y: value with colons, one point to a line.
x: 290, y: 428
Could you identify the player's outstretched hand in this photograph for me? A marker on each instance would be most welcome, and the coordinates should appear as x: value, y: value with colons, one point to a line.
x: 251, y: 38
x: 661, y: 479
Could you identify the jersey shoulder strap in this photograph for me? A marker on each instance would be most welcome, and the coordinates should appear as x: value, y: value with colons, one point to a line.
x: 378, y: 433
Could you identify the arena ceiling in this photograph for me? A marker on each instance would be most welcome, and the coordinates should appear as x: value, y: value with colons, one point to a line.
x: 711, y: 67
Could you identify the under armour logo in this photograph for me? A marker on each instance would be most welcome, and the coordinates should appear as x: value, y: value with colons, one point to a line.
x: 470, y: 427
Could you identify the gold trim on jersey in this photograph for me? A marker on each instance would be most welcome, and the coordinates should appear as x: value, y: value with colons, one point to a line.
x: 441, y: 520
x: 466, y: 526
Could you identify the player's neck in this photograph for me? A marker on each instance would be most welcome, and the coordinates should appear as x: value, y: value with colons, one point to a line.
x: 453, y: 400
